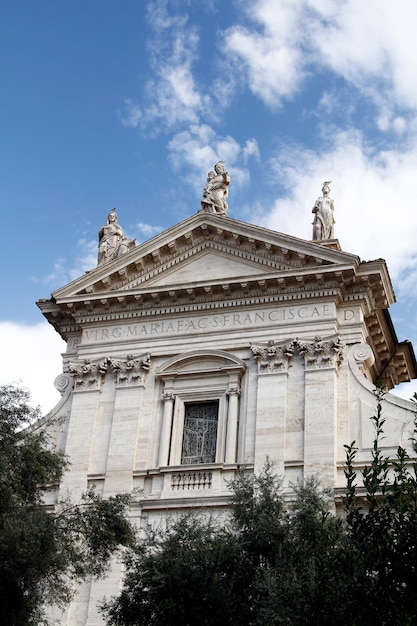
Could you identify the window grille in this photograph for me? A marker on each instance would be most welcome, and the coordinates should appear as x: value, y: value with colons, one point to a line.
x: 200, y: 433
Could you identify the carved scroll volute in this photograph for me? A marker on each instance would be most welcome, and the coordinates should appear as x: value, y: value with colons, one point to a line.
x: 168, y: 396
x: 64, y: 383
x: 363, y: 355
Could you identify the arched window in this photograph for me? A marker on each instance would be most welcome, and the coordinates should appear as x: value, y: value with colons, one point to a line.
x: 200, y: 392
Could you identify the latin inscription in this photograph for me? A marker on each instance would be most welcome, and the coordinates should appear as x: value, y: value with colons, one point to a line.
x: 208, y: 323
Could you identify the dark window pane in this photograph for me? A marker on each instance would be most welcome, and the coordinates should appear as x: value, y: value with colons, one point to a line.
x: 200, y: 433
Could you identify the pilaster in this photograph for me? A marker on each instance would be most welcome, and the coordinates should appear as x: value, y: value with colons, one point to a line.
x: 129, y: 379
x: 233, y: 393
x: 321, y: 362
x: 272, y: 361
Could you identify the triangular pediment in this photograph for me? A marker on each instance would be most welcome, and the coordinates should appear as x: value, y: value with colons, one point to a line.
x: 209, y: 265
x: 206, y: 249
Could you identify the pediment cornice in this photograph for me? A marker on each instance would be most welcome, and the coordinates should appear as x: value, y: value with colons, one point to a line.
x: 251, y: 245
x: 341, y: 283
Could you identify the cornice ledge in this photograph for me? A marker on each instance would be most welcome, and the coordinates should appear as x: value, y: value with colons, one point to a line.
x: 222, y: 303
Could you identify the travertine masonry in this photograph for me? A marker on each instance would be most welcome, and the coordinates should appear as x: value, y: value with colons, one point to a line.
x: 224, y: 342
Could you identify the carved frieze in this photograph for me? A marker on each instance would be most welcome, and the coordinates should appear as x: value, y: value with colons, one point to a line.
x: 89, y: 375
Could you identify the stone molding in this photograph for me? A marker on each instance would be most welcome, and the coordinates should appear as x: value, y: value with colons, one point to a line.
x: 152, y: 305
x: 263, y: 258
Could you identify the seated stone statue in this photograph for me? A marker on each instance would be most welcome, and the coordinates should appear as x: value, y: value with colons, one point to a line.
x: 216, y: 191
x: 112, y: 241
x: 323, y: 209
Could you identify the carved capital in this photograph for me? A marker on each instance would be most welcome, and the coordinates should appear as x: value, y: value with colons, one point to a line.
x: 321, y: 354
x: 233, y: 390
x: 88, y: 375
x: 168, y: 395
x: 272, y: 357
x: 131, y: 371
x: 317, y: 354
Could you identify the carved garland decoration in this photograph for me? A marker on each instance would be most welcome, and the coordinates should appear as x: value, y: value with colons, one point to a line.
x: 317, y: 354
x: 89, y: 375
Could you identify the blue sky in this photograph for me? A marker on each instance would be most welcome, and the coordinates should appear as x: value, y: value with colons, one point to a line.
x: 129, y: 104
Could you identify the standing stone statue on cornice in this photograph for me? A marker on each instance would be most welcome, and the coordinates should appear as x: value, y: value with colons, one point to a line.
x: 112, y: 241
x: 323, y: 209
x: 216, y: 191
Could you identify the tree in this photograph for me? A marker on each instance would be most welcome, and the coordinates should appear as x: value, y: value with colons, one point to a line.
x: 381, y: 521
x: 293, y: 548
x: 42, y: 551
x: 267, y: 565
x: 193, y: 572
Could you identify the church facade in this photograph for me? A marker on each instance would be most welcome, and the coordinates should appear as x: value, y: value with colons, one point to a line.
x: 209, y: 348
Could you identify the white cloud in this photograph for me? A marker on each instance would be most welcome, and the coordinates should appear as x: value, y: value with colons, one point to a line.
x: 271, y: 52
x: 131, y: 114
x: 146, y: 231
x: 161, y: 20
x: 200, y: 147
x: 31, y: 357
x: 374, y: 196
x: 173, y: 96
x: 85, y: 260
x: 250, y: 149
x: 371, y: 44
x: 63, y: 272
x: 406, y: 390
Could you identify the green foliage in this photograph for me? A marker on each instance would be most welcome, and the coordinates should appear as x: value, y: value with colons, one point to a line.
x: 256, y: 500
x: 382, y: 529
x: 190, y: 573
x: 292, y: 551
x: 43, y: 552
x: 269, y: 564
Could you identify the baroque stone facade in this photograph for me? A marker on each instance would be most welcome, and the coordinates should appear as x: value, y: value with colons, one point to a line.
x: 209, y: 348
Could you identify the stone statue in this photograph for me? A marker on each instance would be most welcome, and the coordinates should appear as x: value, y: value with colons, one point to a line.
x: 216, y: 191
x: 112, y: 241
x: 323, y: 224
